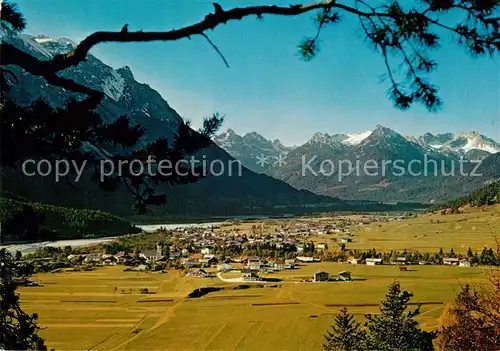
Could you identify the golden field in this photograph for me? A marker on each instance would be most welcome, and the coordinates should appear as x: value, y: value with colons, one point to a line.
x: 103, y: 309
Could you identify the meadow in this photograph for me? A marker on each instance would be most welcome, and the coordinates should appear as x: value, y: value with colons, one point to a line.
x: 104, y: 309
x: 476, y: 228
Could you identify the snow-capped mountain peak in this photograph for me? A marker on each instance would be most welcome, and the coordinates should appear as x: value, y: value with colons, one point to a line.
x: 379, y: 140
x: 383, y: 136
x: 226, y: 139
x: 43, y: 39
x: 476, y: 141
x: 356, y: 138
x: 461, y: 143
x: 255, y: 137
x: 248, y: 147
x: 124, y: 95
x: 45, y: 46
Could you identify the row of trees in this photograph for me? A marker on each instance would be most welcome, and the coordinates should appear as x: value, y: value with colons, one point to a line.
x: 486, y: 257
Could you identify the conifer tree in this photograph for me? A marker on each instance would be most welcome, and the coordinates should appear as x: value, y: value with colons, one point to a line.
x: 345, y: 335
x: 395, y: 328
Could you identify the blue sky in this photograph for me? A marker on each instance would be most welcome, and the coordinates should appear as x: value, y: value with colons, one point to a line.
x: 268, y: 89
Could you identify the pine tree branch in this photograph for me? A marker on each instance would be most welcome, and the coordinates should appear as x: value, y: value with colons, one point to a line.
x: 212, y: 20
x: 402, y: 27
x: 216, y: 49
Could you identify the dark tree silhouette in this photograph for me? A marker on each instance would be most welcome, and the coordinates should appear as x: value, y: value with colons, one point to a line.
x: 395, y: 328
x: 18, y: 330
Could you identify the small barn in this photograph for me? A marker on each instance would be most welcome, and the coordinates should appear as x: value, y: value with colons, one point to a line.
x: 320, y: 276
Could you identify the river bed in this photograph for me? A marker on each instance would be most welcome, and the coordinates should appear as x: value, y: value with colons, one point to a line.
x: 27, y: 248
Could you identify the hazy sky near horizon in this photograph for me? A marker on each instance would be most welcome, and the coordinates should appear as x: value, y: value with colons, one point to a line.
x: 268, y: 88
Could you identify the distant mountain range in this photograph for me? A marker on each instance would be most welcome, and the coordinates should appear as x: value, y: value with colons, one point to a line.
x: 440, y: 178
x: 246, y: 148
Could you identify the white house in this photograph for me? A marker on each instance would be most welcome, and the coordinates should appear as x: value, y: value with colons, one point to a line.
x: 249, y: 275
x: 400, y: 260
x: 452, y: 261
x: 92, y: 257
x: 373, y: 261
x: 464, y: 263
x: 225, y: 267
x: 253, y: 263
x: 279, y: 264
x: 290, y: 263
x: 206, y: 251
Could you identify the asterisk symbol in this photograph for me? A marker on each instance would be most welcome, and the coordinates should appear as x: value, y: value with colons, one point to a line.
x: 262, y: 160
x: 280, y: 160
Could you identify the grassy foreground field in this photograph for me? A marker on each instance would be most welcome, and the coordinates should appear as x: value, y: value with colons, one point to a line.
x: 103, y: 309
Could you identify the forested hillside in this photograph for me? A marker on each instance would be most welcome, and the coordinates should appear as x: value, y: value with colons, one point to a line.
x: 22, y: 220
x: 487, y: 195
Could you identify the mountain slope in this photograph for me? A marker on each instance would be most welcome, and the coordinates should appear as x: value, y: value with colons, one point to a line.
x: 251, y: 147
x: 485, y: 196
x: 471, y: 144
x: 213, y: 195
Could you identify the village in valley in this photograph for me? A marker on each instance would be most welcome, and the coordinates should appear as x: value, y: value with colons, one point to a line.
x: 224, y: 282
x: 250, y: 251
